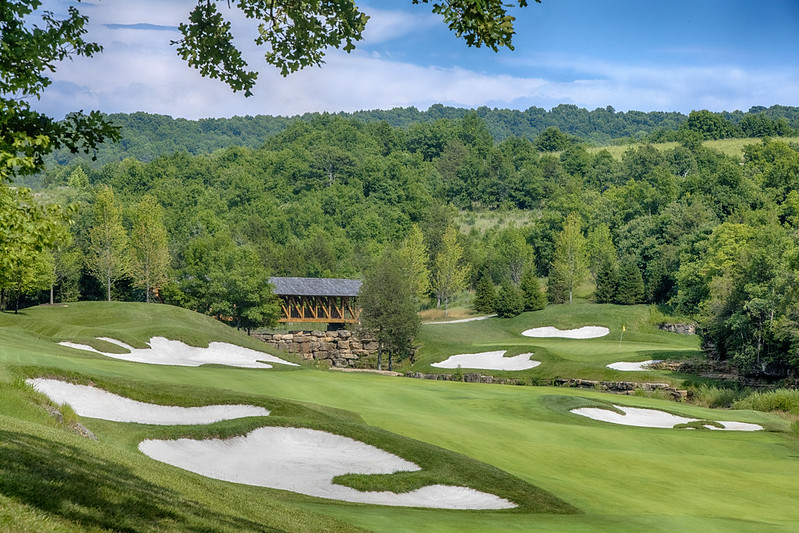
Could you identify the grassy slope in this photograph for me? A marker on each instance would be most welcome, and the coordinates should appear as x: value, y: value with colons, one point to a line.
x: 562, y: 357
x: 616, y: 476
x: 730, y: 147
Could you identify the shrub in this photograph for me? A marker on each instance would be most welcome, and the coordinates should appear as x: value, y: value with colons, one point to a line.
x: 710, y: 396
x: 786, y: 400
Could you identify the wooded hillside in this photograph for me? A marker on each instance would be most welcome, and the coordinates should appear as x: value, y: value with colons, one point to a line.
x: 702, y: 233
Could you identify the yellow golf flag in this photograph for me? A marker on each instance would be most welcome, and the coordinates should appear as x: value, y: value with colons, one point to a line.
x: 623, y: 328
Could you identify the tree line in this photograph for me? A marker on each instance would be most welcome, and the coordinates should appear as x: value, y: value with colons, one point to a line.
x: 147, y: 136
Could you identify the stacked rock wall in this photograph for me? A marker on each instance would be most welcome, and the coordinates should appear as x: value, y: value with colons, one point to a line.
x: 340, y: 348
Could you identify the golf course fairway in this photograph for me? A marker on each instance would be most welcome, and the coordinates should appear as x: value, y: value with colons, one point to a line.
x: 571, y: 473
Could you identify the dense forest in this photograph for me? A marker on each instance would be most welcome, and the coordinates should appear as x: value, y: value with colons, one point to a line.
x: 147, y: 136
x: 688, y: 228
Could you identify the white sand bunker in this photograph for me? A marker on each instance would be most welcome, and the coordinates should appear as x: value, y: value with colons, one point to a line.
x: 585, y: 332
x: 97, y: 403
x: 489, y: 361
x: 632, y: 367
x: 461, y: 320
x: 652, y: 418
x: 167, y: 352
x: 306, y: 461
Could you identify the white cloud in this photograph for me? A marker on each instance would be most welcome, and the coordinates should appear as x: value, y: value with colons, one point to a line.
x: 387, y: 25
x: 140, y: 71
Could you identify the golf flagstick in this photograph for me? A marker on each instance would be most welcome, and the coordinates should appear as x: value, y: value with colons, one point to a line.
x: 622, y: 334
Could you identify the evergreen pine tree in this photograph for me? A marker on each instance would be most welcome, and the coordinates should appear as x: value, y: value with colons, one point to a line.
x: 557, y: 290
x: 534, y: 298
x: 485, y: 295
x: 630, y: 284
x: 510, y: 302
x: 606, y: 282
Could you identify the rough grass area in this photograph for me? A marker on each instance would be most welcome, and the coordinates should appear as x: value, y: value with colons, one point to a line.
x: 730, y: 147
x: 513, y: 439
x: 563, y: 358
x: 783, y: 400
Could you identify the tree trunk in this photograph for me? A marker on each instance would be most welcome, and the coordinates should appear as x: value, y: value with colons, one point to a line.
x: 389, y: 361
x: 380, y: 355
x: 52, y: 301
x: 108, y: 284
x: 446, y: 306
x: 570, y: 296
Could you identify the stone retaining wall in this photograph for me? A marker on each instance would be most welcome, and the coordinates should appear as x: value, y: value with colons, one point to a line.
x: 341, y: 348
x: 680, y: 329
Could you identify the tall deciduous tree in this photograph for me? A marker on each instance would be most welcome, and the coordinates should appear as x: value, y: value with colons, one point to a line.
x: 570, y: 260
x: 600, y: 248
x: 148, y: 242
x: 414, y: 252
x: 388, y: 306
x: 27, y: 231
x: 449, y: 276
x: 512, y: 254
x: 226, y: 281
x: 108, y: 258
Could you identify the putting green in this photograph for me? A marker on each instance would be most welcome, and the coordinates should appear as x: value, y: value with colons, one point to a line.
x: 632, y: 337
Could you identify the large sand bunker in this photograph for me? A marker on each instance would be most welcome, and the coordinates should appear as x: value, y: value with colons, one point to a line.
x: 97, y: 403
x: 652, y: 418
x: 625, y: 366
x: 585, y: 332
x: 306, y: 461
x: 489, y: 361
x: 163, y: 351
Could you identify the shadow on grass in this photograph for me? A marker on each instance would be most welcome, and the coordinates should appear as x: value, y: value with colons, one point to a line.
x: 94, y: 493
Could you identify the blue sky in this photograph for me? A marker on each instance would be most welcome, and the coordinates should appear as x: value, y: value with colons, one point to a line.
x: 678, y: 55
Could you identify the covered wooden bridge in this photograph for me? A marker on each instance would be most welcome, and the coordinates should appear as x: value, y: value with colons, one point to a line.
x: 330, y: 300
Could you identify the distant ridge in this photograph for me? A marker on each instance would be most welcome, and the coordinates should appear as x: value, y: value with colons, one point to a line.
x: 147, y: 136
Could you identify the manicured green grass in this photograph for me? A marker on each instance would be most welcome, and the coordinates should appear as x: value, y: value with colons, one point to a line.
x: 562, y: 358
x: 616, y: 477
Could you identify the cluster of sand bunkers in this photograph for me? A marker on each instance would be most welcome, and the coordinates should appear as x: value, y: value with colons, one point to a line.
x: 306, y: 460
x: 295, y: 459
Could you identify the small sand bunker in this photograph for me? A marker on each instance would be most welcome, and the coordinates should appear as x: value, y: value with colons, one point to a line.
x: 489, y: 361
x: 168, y: 352
x: 306, y: 461
x: 97, y: 403
x: 652, y: 418
x: 585, y: 332
x: 633, y: 367
x: 461, y: 320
